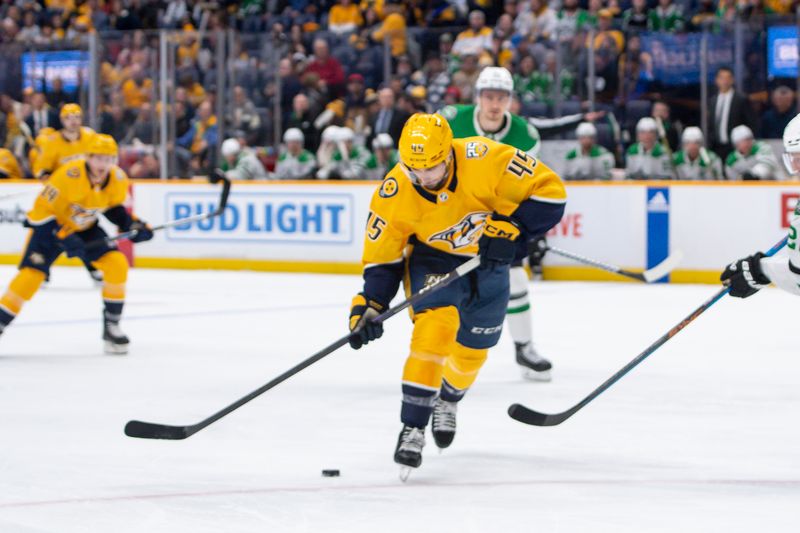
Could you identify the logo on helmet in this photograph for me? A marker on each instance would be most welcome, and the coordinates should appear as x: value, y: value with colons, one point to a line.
x: 463, y: 233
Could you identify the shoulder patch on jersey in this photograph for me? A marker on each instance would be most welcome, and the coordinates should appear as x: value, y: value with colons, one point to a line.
x: 462, y: 233
x: 449, y: 112
x: 388, y: 188
x: 476, y: 150
x: 73, y: 172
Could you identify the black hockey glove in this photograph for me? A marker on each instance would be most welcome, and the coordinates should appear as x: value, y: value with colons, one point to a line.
x: 537, y: 248
x: 745, y: 277
x: 143, y: 231
x: 362, y: 311
x: 496, y: 245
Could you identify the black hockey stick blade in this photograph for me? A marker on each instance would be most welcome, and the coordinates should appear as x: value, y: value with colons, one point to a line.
x: 520, y: 413
x: 535, y: 418
x: 146, y: 430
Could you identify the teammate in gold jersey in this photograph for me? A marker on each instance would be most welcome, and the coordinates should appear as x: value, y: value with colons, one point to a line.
x: 64, y: 219
x: 60, y: 147
x: 446, y: 201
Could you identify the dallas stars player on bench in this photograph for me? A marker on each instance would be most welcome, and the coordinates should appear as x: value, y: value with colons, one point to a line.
x: 64, y: 219
x: 446, y: 201
x: 749, y: 275
x: 491, y: 118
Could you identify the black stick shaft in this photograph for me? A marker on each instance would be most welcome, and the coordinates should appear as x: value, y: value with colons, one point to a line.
x: 530, y: 416
x: 160, y: 431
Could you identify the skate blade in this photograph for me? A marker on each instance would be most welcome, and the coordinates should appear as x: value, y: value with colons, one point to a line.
x: 115, y: 349
x: 532, y: 375
x: 405, y: 471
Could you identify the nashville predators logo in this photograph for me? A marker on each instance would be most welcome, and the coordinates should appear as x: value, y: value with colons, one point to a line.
x: 388, y: 188
x: 463, y: 233
x: 83, y: 218
x: 476, y: 150
x: 73, y: 172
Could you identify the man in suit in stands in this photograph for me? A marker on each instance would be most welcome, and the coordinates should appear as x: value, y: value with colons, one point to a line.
x: 42, y: 115
x: 727, y: 110
x: 389, y: 118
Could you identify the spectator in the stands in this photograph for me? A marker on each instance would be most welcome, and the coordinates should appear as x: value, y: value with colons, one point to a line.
x: 607, y: 37
x: 57, y: 96
x: 143, y: 130
x: 452, y: 96
x: 530, y: 83
x: 783, y: 109
x: 436, y: 79
x: 392, y: 28
x: 196, y: 147
x: 635, y: 71
x: 30, y: 31
x: 667, y: 131
x: 666, y: 16
x: 636, y: 17
x: 42, y: 115
x: 243, y: 114
x: 146, y: 167
x: 537, y: 23
x: 302, y: 118
x: 183, y: 120
x: 294, y: 162
x: 116, y: 121
x: 194, y: 91
x: 571, y: 21
x: 138, y: 88
x: 727, y: 109
x: 356, y: 114
x: 466, y: 76
x: 326, y: 67
x: 451, y: 61
x: 475, y: 40
x: 389, y: 119
x: 344, y: 17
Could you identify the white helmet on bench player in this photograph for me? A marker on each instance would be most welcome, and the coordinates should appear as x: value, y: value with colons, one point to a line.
x: 791, y: 146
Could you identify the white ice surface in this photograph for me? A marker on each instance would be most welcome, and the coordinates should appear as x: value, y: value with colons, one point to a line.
x: 704, y: 436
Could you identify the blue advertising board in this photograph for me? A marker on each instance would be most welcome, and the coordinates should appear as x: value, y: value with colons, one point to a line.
x: 676, y: 57
x: 782, y: 52
x: 72, y: 66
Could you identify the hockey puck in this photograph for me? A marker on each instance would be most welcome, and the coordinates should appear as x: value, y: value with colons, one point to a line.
x: 330, y: 473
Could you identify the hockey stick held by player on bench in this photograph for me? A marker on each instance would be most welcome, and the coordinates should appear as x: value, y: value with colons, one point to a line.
x: 147, y: 430
x: 648, y: 276
x: 536, y: 418
x: 216, y: 177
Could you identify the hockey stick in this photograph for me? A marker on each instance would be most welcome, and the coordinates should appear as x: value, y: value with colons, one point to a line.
x: 147, y: 430
x: 215, y: 177
x: 648, y: 276
x: 535, y: 418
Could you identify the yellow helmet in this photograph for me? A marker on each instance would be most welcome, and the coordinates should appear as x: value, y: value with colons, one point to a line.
x: 70, y: 109
x: 426, y: 141
x: 102, y: 145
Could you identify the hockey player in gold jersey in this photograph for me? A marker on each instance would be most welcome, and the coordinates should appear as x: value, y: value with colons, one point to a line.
x: 65, y: 145
x: 64, y: 219
x: 446, y: 201
x: 62, y: 146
